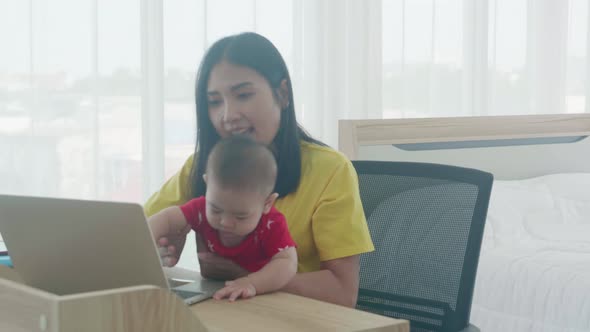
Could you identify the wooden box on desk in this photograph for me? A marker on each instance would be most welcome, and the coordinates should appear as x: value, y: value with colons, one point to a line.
x: 139, y: 308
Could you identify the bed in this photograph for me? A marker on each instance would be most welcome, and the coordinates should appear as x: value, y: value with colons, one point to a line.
x: 534, y: 268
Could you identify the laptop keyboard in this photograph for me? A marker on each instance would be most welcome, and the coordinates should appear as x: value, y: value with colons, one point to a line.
x: 185, y: 294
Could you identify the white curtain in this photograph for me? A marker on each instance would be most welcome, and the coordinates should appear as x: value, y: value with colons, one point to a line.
x: 96, y: 97
x: 337, y: 67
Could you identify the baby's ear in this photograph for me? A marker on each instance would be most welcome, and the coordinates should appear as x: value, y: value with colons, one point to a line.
x: 205, y: 177
x: 269, y: 202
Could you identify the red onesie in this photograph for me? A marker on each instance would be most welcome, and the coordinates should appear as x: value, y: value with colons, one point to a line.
x: 268, y: 238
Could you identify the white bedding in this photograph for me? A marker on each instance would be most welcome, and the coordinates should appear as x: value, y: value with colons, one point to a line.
x: 534, y: 269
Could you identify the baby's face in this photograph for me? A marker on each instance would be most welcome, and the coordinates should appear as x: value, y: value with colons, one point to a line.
x: 233, y: 211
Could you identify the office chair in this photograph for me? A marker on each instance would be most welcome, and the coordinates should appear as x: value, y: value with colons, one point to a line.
x: 426, y: 222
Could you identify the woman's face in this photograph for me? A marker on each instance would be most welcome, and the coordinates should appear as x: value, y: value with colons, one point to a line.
x: 242, y: 102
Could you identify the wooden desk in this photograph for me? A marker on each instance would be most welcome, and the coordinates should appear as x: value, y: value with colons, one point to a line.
x: 287, y: 312
x: 283, y: 312
x: 153, y: 309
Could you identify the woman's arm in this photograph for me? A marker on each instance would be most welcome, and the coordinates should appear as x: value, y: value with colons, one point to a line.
x: 337, y: 282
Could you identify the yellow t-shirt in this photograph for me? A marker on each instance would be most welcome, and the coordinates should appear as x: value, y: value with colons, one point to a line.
x: 325, y: 214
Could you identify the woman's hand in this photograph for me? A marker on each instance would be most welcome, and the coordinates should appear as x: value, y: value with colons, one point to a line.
x: 213, y: 266
x: 235, y: 289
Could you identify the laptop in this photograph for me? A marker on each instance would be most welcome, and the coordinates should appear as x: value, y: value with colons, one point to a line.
x: 66, y: 246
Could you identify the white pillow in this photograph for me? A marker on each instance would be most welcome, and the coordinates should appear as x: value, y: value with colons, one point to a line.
x: 547, y: 208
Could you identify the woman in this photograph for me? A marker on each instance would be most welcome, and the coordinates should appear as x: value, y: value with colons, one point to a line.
x: 243, y: 87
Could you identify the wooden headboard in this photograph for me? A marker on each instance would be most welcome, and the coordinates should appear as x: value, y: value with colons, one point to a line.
x: 511, y: 147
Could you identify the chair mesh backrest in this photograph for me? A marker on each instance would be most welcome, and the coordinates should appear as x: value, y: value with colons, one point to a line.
x: 426, y: 222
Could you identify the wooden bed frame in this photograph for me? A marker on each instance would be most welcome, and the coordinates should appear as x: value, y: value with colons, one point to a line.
x: 510, y: 147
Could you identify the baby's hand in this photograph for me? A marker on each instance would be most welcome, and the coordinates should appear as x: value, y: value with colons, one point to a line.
x: 168, y: 256
x: 234, y: 289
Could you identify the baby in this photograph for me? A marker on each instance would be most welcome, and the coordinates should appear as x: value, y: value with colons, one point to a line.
x: 236, y: 218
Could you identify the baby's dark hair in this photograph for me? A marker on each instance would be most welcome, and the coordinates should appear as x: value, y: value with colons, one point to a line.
x: 240, y: 162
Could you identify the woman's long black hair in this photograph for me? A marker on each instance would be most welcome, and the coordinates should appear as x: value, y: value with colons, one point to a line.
x: 258, y: 53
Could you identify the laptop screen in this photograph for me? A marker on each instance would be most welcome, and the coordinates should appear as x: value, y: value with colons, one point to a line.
x: 66, y: 246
